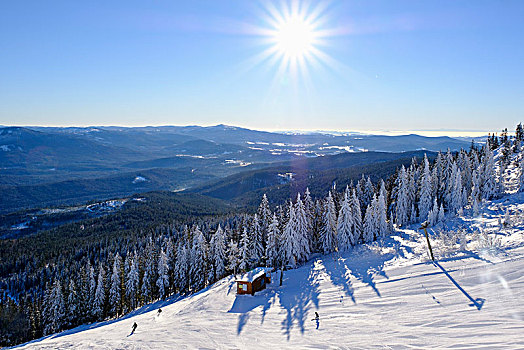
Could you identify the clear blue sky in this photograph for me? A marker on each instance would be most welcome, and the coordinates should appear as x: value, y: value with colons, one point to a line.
x: 394, y: 65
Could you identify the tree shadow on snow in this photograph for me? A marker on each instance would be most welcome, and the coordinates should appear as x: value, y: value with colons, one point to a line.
x: 300, y: 290
x: 363, y: 263
x: 298, y: 300
x: 245, y: 303
x: 297, y: 295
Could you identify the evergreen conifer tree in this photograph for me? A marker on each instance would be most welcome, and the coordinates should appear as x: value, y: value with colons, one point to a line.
x: 162, y: 281
x: 115, y: 291
x: 245, y: 253
x: 257, y: 248
x: 289, y: 240
x: 488, y: 185
x: 328, y: 235
x: 132, y: 281
x: 198, y: 260
x: 426, y: 197
x: 182, y: 268
x: 272, y: 247
x: 100, y: 296
x: 381, y: 211
x: 402, y: 205
x: 218, y: 249
x: 345, y: 225
x: 357, y: 218
x: 54, y: 309
x: 232, y: 257
x: 72, y: 304
x: 370, y: 222
x: 301, y: 249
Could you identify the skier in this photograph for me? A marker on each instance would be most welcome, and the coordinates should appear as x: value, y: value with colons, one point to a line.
x: 134, y: 328
x: 317, y: 319
x: 159, y: 312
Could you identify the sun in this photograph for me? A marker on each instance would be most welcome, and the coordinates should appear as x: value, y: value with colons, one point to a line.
x: 294, y: 34
x: 295, y: 37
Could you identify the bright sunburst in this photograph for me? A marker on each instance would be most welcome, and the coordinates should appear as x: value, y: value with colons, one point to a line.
x: 295, y: 37
x: 294, y: 34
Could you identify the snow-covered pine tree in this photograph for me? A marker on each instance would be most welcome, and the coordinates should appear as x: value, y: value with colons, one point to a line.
x: 72, y: 304
x: 309, y: 207
x: 475, y: 186
x: 369, y: 191
x: 162, y: 281
x: 413, y: 176
x: 198, y: 260
x: 345, y: 224
x: 381, y: 211
x: 328, y: 236
x: 488, y: 178
x: 446, y: 184
x: 257, y: 248
x: 115, y: 290
x: 464, y: 164
x: 100, y: 295
x: 288, y: 240
x: 54, y: 309
x: 357, y: 218
x: 402, y: 205
x: 425, y: 197
x: 272, y: 247
x: 370, y: 221
x: 233, y: 257
x: 86, y: 292
x: 301, y: 250
x: 182, y: 268
x: 149, y: 277
x: 456, y: 200
x: 435, y: 176
x: 317, y: 226
x: 171, y: 258
x: 264, y: 217
x: 131, y: 281
x: 244, y: 251
x: 218, y: 251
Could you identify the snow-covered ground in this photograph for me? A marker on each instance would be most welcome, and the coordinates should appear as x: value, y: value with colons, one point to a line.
x: 385, y: 295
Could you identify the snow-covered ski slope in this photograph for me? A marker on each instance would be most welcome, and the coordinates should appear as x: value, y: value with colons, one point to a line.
x: 379, y: 296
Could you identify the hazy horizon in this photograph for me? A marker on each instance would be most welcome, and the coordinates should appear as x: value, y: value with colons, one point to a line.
x: 427, y: 132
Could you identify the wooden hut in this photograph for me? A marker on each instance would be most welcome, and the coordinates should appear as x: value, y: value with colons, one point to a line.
x: 254, y: 280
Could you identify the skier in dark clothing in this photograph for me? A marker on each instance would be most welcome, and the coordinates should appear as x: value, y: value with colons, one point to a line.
x: 133, y: 328
x: 317, y: 319
x: 159, y: 312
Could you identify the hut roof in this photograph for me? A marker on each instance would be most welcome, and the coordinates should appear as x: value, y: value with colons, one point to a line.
x: 252, y: 275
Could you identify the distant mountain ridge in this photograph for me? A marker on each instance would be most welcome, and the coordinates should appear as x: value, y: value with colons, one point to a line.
x: 37, y: 162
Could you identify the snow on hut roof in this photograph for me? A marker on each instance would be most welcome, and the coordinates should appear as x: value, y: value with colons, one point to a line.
x: 254, y: 274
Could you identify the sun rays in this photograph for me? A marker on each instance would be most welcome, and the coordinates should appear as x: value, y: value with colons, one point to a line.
x: 293, y: 35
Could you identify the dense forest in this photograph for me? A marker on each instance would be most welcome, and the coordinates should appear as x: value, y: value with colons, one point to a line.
x: 169, y: 244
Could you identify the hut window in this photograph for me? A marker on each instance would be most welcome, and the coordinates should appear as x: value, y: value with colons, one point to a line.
x: 244, y: 287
